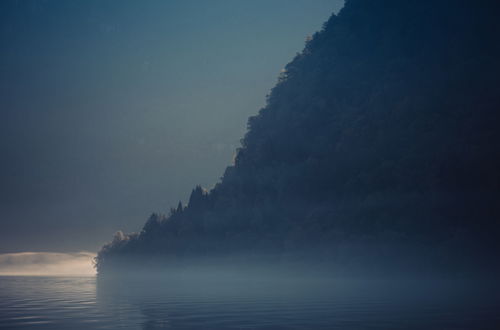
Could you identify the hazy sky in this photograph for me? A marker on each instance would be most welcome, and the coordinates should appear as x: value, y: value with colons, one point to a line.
x: 112, y: 110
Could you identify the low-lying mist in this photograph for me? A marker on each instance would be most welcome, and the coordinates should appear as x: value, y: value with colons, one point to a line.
x: 47, y: 264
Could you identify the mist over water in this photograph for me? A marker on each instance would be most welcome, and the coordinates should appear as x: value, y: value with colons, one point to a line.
x: 47, y: 264
x: 189, y: 299
x: 363, y: 195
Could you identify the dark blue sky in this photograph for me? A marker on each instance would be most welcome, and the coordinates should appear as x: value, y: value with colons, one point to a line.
x: 112, y: 110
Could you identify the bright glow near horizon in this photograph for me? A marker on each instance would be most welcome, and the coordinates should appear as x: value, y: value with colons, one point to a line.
x: 47, y: 264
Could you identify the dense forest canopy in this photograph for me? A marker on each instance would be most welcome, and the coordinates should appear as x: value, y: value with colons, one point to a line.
x: 378, y: 148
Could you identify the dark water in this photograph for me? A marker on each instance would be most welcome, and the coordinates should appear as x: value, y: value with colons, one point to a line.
x: 88, y: 303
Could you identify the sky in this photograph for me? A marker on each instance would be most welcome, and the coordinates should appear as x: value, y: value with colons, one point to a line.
x: 112, y: 110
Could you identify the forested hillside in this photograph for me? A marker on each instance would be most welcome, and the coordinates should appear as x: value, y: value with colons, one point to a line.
x: 379, y: 148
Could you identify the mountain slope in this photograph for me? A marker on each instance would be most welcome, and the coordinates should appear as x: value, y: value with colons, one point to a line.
x: 378, y: 148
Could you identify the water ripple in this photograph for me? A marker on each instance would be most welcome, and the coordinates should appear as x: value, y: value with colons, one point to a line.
x: 83, y: 303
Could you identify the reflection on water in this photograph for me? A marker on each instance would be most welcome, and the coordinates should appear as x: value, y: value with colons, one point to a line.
x: 88, y: 303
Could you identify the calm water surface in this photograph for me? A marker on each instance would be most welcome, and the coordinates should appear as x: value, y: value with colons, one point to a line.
x: 89, y: 303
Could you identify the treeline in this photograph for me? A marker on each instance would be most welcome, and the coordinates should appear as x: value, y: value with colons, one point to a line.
x: 379, y: 148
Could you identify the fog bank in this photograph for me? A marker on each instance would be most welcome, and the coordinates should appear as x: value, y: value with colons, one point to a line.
x: 47, y: 263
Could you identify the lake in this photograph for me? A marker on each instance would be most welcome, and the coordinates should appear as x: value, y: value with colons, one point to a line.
x: 90, y: 303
